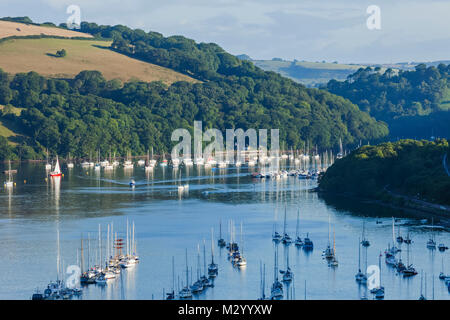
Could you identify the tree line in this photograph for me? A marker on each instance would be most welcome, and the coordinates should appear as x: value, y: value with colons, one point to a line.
x: 409, y: 167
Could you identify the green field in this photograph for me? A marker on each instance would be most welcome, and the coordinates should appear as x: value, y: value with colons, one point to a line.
x: 7, y: 129
x: 24, y: 55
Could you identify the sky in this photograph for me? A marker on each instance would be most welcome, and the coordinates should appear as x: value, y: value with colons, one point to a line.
x: 311, y: 30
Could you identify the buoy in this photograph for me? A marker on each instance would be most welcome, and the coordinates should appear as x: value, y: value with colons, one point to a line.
x: 24, y: 181
x: 46, y: 179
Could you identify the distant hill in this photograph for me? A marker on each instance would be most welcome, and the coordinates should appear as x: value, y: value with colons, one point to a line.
x: 311, y: 74
x: 24, y: 55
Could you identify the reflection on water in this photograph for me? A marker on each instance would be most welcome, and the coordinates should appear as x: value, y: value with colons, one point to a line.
x: 170, y: 220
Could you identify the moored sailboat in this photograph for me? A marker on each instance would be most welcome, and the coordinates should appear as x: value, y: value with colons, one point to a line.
x: 57, y: 170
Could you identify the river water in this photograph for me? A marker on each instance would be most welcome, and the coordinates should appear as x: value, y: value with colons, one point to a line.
x: 168, y: 222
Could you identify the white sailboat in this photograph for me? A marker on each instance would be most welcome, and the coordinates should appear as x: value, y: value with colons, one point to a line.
x: 48, y: 166
x: 148, y: 165
x: 241, y: 261
x: 128, y: 164
x: 57, y: 170
x: 70, y: 164
x: 9, y: 183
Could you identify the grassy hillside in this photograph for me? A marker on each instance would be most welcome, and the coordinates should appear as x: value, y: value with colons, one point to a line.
x: 11, y: 29
x: 7, y: 127
x: 24, y: 55
x: 90, y: 113
x: 407, y: 167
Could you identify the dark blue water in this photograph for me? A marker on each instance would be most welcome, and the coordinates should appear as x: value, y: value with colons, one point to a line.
x: 168, y: 222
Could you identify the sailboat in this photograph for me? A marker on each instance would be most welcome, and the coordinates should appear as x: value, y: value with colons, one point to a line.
x: 298, y: 240
x: 9, y: 183
x: 128, y: 164
x: 276, y: 292
x: 334, y: 262
x: 308, y: 245
x: 431, y: 243
x: 48, y: 166
x: 262, y: 270
x: 286, y: 239
x: 394, y: 249
x: 57, y: 170
x: 197, y: 286
x: 399, y: 237
x: 221, y: 242
x: 328, y: 252
x: 360, y: 276
x: 152, y: 161
x: 408, y: 239
x: 163, y: 163
x: 364, y: 241
x: 287, y: 274
x: 171, y: 295
x: 409, y: 271
x: 109, y: 165
x: 378, y: 291
x: 213, y: 268
x: 141, y: 162
x: 422, y: 297
x: 69, y: 162
x: 204, y: 279
x: 148, y: 165
x: 186, y: 292
x: 241, y: 261
x: 340, y: 155
x: 276, y: 237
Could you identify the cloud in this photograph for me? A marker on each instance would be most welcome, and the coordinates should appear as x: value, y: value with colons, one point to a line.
x: 302, y: 29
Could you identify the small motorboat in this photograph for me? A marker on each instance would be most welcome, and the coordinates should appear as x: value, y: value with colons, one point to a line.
x: 307, y: 243
x: 442, y: 247
x: 276, y: 237
x: 185, y: 293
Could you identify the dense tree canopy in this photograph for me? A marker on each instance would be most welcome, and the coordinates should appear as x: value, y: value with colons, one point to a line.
x: 88, y: 113
x: 406, y: 97
x: 408, y: 166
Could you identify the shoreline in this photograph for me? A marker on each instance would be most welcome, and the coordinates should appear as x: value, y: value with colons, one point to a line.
x: 427, y: 210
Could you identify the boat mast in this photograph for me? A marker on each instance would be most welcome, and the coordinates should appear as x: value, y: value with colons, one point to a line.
x: 212, y: 246
x: 359, y: 254
x: 58, y: 259
x: 187, y: 271
x: 82, y: 256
